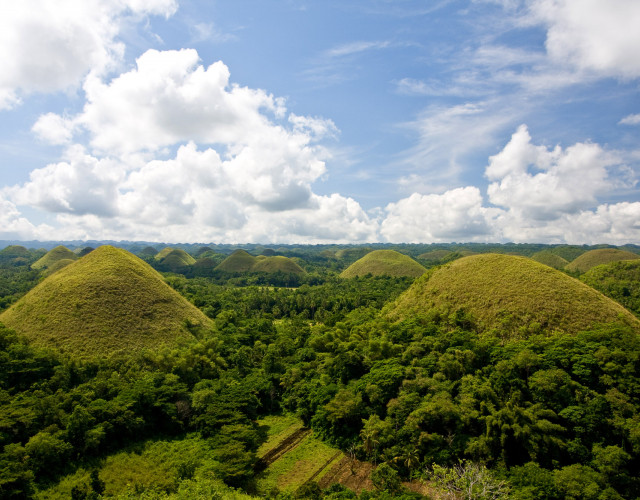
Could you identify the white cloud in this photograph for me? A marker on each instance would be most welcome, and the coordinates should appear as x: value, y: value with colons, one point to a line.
x: 51, y: 45
x: 630, y: 120
x: 169, y: 98
x: 592, y: 35
x: 54, y: 129
x: 14, y: 226
x: 456, y: 215
x: 562, y: 182
x: 81, y: 184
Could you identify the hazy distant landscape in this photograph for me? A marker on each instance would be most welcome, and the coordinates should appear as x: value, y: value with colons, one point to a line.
x: 326, y: 371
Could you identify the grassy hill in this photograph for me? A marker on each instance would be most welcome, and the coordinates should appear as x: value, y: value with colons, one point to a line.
x: 276, y: 264
x: 598, y: 257
x: 619, y: 281
x: 52, y: 256
x: 107, y: 301
x: 57, y: 265
x: 384, y: 263
x: 434, y: 255
x: 177, y: 260
x: 163, y: 253
x: 548, y: 258
x: 239, y: 261
x: 509, y: 293
x: 14, y: 255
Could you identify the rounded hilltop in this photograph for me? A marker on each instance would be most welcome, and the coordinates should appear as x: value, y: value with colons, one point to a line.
x: 510, y: 294
x: 52, y: 256
x: 384, y: 263
x: 240, y: 261
x: 598, y: 257
x: 107, y: 301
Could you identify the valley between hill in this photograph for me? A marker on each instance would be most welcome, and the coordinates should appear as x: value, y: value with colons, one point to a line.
x: 125, y: 376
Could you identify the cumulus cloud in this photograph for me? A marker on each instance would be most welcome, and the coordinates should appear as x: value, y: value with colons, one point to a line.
x: 14, y: 226
x: 592, y: 35
x: 81, y: 184
x: 543, y: 184
x: 456, y: 215
x: 51, y: 45
x: 54, y: 129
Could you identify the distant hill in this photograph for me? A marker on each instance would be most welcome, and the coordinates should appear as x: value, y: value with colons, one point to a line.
x: 548, y: 258
x: 276, y: 264
x: 52, y: 256
x: 163, y: 253
x: 176, y: 260
x: 239, y: 261
x: 509, y: 293
x: 434, y: 255
x: 105, y: 302
x: 384, y: 263
x: 617, y: 280
x: 148, y: 252
x: 598, y: 257
x: 81, y: 252
x: 14, y: 255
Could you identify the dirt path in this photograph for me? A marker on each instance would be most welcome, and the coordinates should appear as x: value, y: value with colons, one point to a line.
x: 285, y: 445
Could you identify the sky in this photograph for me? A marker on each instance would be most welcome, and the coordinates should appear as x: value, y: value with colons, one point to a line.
x: 300, y: 121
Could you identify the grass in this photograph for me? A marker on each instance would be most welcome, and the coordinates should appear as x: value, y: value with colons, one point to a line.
x: 548, y: 258
x: 278, y: 428
x: 619, y: 281
x: 53, y: 256
x: 276, y: 264
x: 510, y: 294
x: 108, y: 301
x: 311, y: 457
x: 598, y: 257
x: 384, y: 263
x: 239, y: 261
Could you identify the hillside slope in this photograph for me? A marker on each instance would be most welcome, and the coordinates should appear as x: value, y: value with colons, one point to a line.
x: 384, y: 263
x: 53, y: 256
x: 598, y: 257
x: 509, y: 293
x: 107, y: 301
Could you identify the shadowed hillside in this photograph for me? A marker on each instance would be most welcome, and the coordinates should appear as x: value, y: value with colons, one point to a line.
x: 384, y: 263
x: 107, y: 301
x: 509, y: 293
x: 619, y: 281
x: 176, y: 260
x: 53, y: 256
x: 598, y: 257
x: 548, y: 258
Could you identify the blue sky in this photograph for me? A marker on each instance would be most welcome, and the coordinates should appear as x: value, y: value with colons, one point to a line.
x: 312, y: 122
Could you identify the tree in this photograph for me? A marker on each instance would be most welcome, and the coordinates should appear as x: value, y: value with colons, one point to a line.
x: 468, y: 480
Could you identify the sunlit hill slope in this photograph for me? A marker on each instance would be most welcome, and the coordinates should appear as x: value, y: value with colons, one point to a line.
x: 107, y: 301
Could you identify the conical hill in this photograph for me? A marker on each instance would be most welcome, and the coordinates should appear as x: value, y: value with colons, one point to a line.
x: 598, y: 257
x: 384, y: 263
x: 53, y: 256
x: 107, y: 301
x: 239, y: 261
x: 277, y: 263
x: 550, y: 259
x: 511, y: 294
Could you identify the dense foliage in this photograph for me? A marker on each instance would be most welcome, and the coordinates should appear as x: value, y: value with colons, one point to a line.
x: 543, y: 415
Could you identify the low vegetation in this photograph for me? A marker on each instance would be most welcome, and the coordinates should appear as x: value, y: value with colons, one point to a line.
x: 619, y: 281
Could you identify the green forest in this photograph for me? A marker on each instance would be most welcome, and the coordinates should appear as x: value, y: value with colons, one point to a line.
x: 494, y: 371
